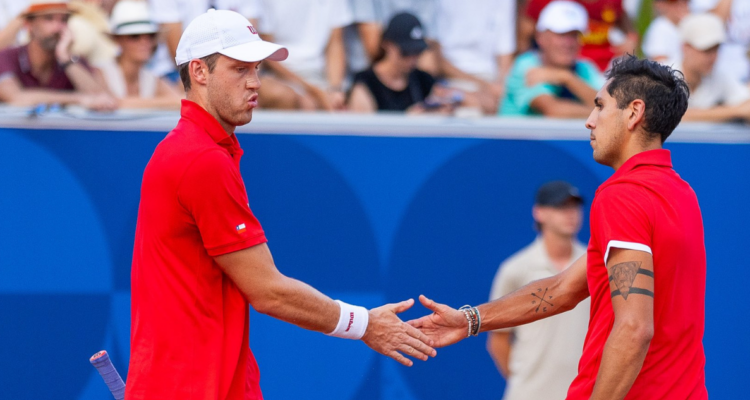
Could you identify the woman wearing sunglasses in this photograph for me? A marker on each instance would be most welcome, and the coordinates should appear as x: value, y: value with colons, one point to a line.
x: 127, y: 77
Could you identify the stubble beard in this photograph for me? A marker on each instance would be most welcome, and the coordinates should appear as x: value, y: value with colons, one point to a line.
x: 224, y: 106
x: 49, y: 43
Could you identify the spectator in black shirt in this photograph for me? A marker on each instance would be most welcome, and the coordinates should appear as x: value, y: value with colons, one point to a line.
x: 393, y: 82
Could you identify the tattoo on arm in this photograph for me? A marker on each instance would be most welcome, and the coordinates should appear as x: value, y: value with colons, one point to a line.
x: 541, y: 300
x: 623, y: 275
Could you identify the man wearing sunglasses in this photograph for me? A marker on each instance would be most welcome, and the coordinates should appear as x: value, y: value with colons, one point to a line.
x: 44, y: 71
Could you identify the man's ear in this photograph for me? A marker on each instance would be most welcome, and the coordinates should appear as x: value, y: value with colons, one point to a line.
x: 538, y: 214
x: 636, y: 114
x: 198, y: 71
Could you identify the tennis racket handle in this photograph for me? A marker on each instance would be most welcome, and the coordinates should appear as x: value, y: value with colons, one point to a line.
x: 107, y: 370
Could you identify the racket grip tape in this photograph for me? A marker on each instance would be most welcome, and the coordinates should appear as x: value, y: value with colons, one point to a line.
x: 107, y: 370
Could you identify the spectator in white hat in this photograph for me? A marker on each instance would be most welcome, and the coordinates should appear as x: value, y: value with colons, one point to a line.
x: 555, y: 81
x: 714, y: 96
x: 45, y: 71
x: 127, y: 77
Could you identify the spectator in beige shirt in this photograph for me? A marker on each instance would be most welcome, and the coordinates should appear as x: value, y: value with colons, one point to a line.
x: 539, y: 360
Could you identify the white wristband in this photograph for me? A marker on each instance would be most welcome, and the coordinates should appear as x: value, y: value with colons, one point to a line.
x: 352, y: 321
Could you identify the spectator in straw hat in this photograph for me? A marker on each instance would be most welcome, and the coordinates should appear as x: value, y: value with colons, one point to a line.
x: 45, y: 71
x: 128, y: 79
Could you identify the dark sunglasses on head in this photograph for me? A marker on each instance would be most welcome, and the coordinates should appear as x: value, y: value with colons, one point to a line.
x: 138, y: 36
x: 410, y: 53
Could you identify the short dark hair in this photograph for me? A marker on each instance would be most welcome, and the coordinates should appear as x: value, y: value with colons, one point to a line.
x: 661, y: 88
x: 184, y: 69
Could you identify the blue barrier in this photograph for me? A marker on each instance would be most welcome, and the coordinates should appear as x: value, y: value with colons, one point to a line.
x: 365, y: 219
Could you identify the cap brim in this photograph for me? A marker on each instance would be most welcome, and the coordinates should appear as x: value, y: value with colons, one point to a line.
x: 137, y: 29
x: 563, y: 29
x: 413, y: 46
x: 257, y: 50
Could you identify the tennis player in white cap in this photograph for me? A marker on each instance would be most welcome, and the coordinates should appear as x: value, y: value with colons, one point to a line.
x: 200, y: 255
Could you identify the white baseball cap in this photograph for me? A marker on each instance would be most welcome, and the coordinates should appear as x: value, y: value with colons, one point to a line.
x: 703, y: 31
x: 563, y: 17
x: 131, y: 17
x: 228, y: 33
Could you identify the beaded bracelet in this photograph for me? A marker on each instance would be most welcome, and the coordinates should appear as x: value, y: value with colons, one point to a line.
x: 472, y: 316
x: 479, y: 321
x: 469, y: 319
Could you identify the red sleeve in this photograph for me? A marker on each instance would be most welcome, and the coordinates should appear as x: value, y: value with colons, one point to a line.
x: 213, y: 192
x: 535, y: 7
x: 622, y: 217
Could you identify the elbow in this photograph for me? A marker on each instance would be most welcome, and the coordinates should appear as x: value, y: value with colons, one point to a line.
x: 639, y: 333
x: 265, y: 303
x: 266, y: 300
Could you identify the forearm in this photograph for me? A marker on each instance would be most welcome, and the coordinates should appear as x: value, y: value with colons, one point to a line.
x: 622, y: 360
x: 504, y: 63
x: 285, y: 74
x: 83, y: 80
x: 498, y: 345
x: 9, y: 33
x: 585, y: 93
x: 537, y: 300
x: 336, y: 60
x: 298, y: 303
x: 448, y: 70
x: 563, y: 108
x: 171, y: 103
x: 172, y: 33
x: 723, y: 9
x: 32, y: 97
x: 714, y: 114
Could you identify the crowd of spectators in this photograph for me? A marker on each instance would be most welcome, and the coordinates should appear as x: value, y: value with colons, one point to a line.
x: 477, y: 57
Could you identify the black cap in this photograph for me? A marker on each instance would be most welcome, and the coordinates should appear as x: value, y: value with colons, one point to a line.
x: 556, y: 193
x: 405, y: 30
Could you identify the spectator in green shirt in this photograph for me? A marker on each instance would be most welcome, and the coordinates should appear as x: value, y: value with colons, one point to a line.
x: 554, y: 81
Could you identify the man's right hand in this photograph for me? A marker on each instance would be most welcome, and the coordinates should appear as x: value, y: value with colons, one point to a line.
x: 390, y: 336
x: 445, y: 326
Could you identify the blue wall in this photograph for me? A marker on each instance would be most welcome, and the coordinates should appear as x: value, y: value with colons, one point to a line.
x: 365, y: 219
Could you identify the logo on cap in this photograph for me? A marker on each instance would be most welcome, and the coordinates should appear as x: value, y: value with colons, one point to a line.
x: 416, y: 33
x: 252, y: 30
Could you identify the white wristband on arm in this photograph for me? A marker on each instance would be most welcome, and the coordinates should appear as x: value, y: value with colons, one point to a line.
x: 352, y: 321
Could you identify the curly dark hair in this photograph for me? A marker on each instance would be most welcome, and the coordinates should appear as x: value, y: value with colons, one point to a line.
x: 662, y: 89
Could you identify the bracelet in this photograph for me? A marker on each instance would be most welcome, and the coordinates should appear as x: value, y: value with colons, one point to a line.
x: 470, y: 318
x: 479, y: 321
x: 473, y: 318
x: 353, y: 321
x: 72, y: 60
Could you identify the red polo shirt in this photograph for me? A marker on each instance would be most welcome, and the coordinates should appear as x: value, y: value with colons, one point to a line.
x: 646, y: 206
x: 190, y: 322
